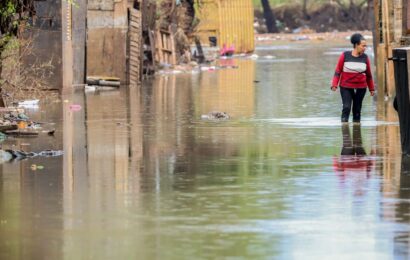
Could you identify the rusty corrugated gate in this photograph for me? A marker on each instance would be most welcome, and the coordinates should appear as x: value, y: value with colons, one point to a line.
x: 231, y: 21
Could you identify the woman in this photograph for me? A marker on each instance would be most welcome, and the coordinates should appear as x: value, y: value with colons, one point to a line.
x: 353, y: 75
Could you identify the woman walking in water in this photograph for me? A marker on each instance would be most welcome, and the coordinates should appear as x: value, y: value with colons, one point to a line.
x: 353, y: 75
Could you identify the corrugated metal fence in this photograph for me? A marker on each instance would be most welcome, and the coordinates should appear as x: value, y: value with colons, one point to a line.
x: 230, y: 21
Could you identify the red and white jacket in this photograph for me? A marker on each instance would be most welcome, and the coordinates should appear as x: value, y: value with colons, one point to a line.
x: 353, y: 72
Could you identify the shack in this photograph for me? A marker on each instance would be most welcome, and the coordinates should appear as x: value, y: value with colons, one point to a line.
x: 392, y: 30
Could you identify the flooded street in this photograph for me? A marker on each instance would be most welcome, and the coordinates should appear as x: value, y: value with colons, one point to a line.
x: 143, y: 177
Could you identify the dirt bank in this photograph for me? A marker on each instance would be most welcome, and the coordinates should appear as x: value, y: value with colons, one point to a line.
x: 310, y: 37
x: 325, y: 18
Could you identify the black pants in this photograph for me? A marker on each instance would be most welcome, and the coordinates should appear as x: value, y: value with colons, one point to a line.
x: 352, y: 96
x: 352, y: 146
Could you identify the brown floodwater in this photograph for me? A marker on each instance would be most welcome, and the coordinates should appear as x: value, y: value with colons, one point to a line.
x: 144, y: 177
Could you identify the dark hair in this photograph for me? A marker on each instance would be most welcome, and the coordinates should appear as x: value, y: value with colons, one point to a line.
x: 356, y: 38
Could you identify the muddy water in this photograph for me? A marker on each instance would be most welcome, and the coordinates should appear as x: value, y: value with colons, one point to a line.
x: 143, y: 177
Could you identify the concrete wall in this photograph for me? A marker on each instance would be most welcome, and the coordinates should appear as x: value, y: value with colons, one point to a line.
x: 46, y: 33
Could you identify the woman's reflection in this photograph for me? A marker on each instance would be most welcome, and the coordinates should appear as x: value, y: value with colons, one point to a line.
x: 353, y: 157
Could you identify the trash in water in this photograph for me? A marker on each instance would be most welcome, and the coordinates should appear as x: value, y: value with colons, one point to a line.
x: 103, y: 81
x: 22, y: 116
x: 8, y: 155
x: 35, y: 167
x: 22, y: 124
x: 50, y: 153
x: 28, y: 103
x: 22, y: 133
x: 75, y: 107
x: 215, y: 116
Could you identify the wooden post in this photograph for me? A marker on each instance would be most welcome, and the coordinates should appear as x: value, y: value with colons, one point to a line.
x: 67, y: 48
x: 173, y: 59
x: 79, y: 14
x: 389, y: 69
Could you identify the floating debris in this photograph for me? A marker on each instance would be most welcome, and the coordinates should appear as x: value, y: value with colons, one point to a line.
x: 8, y: 155
x: 75, y: 107
x: 35, y: 167
x: 29, y: 103
x: 216, y: 116
x: 103, y: 81
x: 21, y: 133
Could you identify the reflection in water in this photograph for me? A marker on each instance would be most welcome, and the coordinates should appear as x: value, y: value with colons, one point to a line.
x: 353, y: 162
x: 402, y: 215
x: 231, y: 90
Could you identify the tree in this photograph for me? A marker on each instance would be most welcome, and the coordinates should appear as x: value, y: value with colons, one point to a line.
x: 304, y: 9
x: 269, y: 17
x: 354, y: 9
x: 13, y: 14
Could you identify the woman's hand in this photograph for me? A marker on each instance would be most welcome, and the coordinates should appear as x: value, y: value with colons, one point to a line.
x: 372, y: 93
x: 333, y: 88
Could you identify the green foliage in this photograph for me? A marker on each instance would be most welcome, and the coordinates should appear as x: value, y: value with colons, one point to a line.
x: 12, y: 14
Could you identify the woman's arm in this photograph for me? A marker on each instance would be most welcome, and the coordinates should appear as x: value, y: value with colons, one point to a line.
x: 338, y: 71
x: 369, y: 77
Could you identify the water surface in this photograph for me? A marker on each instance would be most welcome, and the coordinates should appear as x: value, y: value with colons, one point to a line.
x: 143, y: 177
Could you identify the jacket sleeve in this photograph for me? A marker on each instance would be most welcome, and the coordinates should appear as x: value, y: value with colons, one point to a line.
x: 369, y: 77
x: 338, y: 70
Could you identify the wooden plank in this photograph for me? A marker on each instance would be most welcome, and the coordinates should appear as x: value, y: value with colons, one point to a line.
x: 135, y: 43
x: 172, y: 47
x: 158, y: 44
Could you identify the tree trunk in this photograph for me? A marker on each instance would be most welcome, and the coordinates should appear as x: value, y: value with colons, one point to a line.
x: 2, y: 47
x: 1, y: 70
x: 269, y: 17
x: 370, y: 17
x: 304, y: 9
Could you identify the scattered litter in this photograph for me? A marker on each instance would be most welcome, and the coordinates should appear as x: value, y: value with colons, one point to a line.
x: 228, y: 67
x: 254, y: 56
x: 269, y: 57
x: 301, y: 38
x: 66, y: 101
